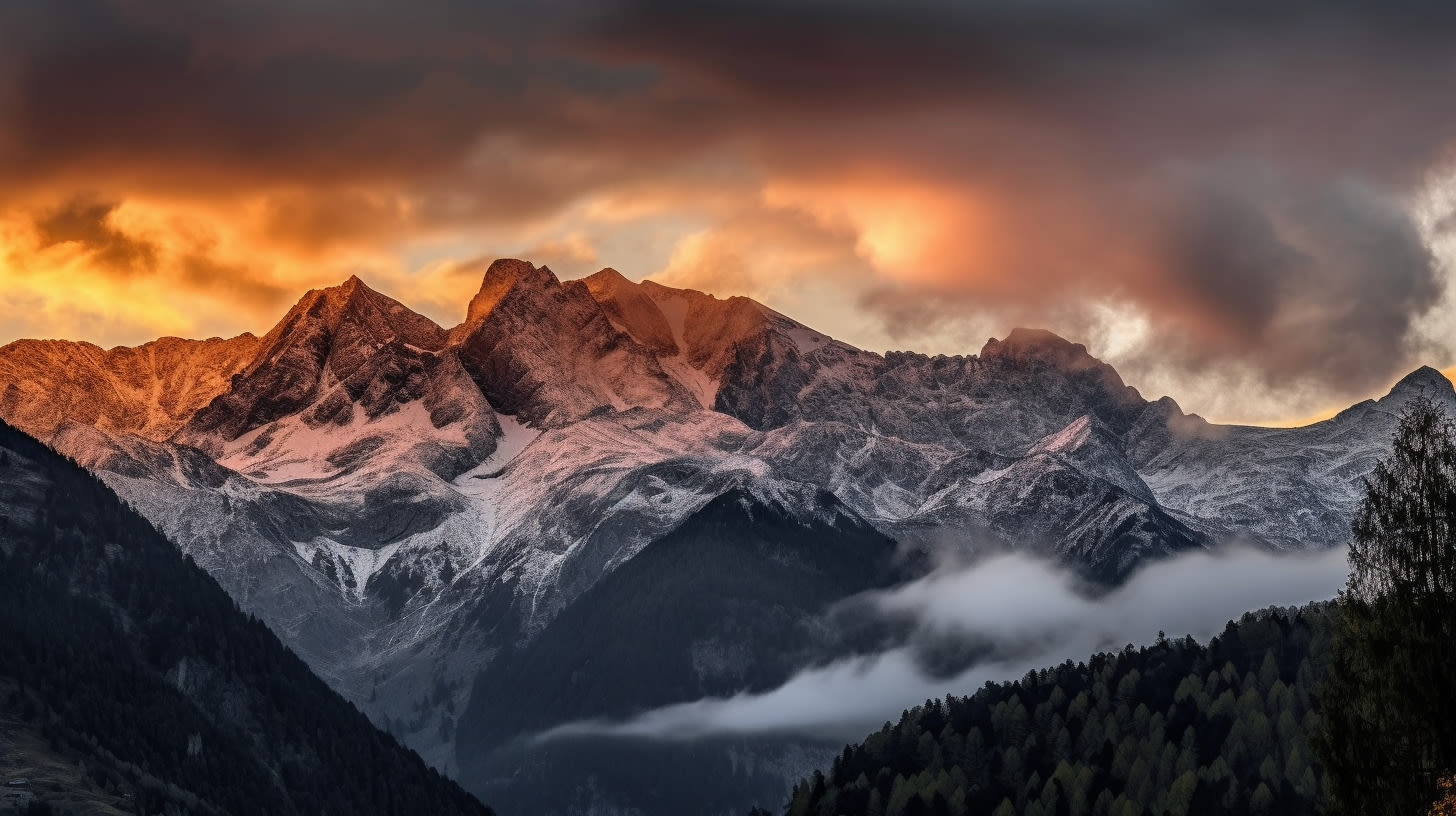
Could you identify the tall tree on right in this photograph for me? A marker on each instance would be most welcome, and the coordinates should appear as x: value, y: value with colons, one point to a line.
x: 1388, y: 702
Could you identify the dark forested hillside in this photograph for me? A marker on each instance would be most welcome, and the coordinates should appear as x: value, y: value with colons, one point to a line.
x: 131, y: 660
x: 1175, y: 728
x: 725, y: 602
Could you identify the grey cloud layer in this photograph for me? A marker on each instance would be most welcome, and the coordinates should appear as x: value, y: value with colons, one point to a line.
x: 1021, y: 615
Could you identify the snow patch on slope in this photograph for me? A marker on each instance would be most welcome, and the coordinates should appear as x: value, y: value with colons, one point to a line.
x: 355, y: 565
x: 703, y: 388
x: 1069, y: 438
x: 806, y: 338
x: 290, y: 450
x: 674, y: 309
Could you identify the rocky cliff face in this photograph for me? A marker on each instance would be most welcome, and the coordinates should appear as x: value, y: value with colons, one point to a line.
x: 338, y: 350
x: 408, y: 505
x: 548, y: 353
x: 150, y: 390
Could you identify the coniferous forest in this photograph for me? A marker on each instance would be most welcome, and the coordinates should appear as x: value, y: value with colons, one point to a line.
x: 130, y: 659
x: 1175, y: 728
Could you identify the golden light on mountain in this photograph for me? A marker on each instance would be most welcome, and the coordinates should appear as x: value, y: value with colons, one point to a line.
x: 1270, y: 270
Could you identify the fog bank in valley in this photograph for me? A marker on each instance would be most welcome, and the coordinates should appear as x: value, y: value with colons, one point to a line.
x: 997, y: 619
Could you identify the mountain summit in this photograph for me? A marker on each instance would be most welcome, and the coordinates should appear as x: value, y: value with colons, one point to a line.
x: 502, y: 277
x: 1424, y: 381
x: 547, y: 352
x: 336, y: 348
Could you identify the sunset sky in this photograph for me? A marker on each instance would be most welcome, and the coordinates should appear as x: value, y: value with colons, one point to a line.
x: 1250, y: 206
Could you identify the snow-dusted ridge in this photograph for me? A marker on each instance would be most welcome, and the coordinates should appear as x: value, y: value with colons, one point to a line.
x: 403, y: 503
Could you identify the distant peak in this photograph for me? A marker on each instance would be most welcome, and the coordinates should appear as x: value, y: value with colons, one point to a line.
x: 659, y: 290
x: 1425, y: 374
x: 1168, y: 406
x: 1037, y: 344
x: 608, y: 283
x: 1424, y: 380
x: 348, y: 287
x: 508, y: 269
x: 1028, y: 335
x: 503, y: 275
x: 341, y: 292
x: 328, y: 300
x: 607, y: 276
x: 631, y: 309
x: 354, y: 302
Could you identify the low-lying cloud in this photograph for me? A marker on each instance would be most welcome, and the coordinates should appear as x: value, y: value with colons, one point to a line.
x: 1016, y: 614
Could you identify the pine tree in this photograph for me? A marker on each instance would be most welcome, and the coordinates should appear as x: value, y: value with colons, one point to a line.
x: 1388, y: 703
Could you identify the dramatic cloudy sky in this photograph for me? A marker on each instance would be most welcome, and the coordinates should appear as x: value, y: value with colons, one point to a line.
x: 1248, y: 205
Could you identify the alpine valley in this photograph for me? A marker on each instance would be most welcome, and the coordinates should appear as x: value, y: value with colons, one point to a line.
x: 597, y: 497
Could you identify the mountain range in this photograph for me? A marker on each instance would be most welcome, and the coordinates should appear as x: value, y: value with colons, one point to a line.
x: 598, y: 496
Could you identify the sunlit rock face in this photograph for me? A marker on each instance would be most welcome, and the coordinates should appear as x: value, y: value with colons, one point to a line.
x: 150, y: 390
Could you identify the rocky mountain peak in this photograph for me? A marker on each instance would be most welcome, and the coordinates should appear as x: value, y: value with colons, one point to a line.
x: 504, y: 275
x: 706, y: 327
x: 607, y: 277
x: 347, y: 334
x: 632, y: 311
x: 1162, y: 424
x: 332, y: 300
x: 1039, y: 345
x: 352, y: 309
x: 550, y: 353
x: 1425, y: 381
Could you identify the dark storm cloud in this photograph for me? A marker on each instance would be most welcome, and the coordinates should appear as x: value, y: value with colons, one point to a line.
x: 324, y: 90
x: 1190, y: 72
x: 1314, y: 279
x: 1255, y: 160
x: 101, y: 84
x: 450, y: 104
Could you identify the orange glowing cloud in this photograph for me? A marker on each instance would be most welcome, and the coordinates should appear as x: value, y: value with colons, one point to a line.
x: 903, y: 224
x: 1188, y: 193
x: 128, y: 271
